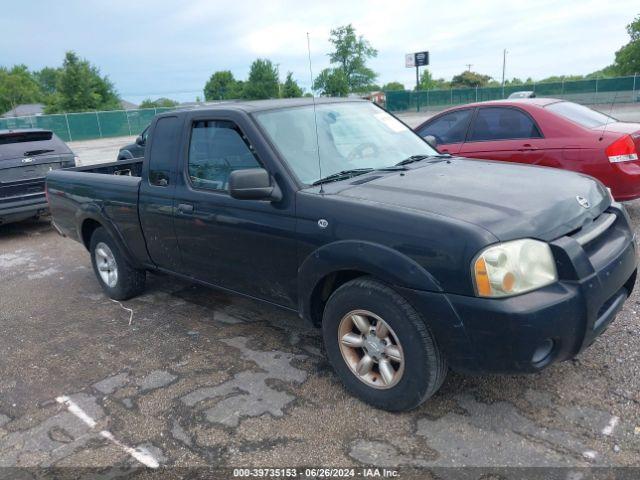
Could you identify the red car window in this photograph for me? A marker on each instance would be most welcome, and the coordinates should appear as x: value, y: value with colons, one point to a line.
x: 449, y: 128
x: 499, y: 123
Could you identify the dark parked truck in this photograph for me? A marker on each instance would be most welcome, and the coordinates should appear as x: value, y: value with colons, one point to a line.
x: 26, y: 156
x: 410, y: 261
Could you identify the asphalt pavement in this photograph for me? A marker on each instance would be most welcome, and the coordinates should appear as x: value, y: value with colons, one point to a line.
x: 186, y: 376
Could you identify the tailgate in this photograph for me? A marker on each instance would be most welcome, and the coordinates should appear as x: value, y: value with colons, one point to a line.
x: 20, y: 176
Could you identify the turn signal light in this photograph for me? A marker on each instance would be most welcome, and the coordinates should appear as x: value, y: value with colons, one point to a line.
x: 622, y: 150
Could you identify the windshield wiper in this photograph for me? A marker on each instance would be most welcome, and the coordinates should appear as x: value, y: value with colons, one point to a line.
x: 342, y: 175
x: 417, y: 158
x: 31, y: 153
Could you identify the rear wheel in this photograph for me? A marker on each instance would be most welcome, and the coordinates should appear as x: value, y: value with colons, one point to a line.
x: 380, y: 347
x: 116, y: 276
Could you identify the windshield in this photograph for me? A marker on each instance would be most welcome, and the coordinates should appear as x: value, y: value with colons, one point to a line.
x: 351, y: 135
x: 580, y: 114
x: 15, y: 144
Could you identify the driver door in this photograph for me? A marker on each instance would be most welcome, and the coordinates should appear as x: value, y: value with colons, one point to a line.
x: 247, y: 246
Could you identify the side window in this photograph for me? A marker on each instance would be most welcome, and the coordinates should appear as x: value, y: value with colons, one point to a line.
x: 449, y: 128
x: 498, y: 123
x: 217, y: 148
x: 164, y: 150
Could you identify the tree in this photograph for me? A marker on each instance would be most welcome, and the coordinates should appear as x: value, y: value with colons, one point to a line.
x: 80, y: 87
x: 427, y: 82
x: 470, y: 79
x: 17, y: 86
x: 47, y: 78
x: 290, y: 88
x: 221, y: 86
x: 393, y: 87
x: 262, y: 82
x: 351, y: 53
x: 161, y: 102
x: 627, y: 60
x: 332, y: 82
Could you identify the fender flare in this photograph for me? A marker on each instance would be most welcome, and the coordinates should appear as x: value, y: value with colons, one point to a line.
x: 380, y: 261
x: 93, y: 212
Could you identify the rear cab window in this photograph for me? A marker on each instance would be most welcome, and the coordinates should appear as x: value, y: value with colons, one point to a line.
x: 449, y: 128
x: 502, y: 123
x: 164, y: 151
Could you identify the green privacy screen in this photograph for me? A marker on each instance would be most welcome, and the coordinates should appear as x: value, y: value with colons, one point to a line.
x: 117, y: 123
x: 87, y: 126
x: 603, y: 90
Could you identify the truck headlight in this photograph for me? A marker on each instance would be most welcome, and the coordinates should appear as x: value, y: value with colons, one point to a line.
x: 514, y: 267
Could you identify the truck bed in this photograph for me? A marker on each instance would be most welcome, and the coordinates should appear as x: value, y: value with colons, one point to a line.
x: 108, y: 191
x: 131, y: 168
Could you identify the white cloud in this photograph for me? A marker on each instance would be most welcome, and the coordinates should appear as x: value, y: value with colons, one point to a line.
x: 168, y: 47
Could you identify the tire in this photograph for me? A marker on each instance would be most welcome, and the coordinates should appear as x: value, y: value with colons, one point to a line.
x: 422, y: 367
x: 128, y: 281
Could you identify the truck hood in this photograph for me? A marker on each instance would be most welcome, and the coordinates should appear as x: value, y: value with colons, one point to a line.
x: 509, y: 200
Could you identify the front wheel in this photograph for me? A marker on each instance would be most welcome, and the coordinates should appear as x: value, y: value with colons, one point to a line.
x: 117, y: 277
x: 380, y: 347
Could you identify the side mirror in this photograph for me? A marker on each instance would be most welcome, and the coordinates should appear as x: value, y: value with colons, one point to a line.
x: 253, y: 184
x: 140, y: 140
x: 431, y: 140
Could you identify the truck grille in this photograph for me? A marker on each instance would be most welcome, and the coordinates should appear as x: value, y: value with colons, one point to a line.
x: 593, y: 231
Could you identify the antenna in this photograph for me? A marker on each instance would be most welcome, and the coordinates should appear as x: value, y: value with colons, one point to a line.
x: 315, y: 117
x: 606, y: 123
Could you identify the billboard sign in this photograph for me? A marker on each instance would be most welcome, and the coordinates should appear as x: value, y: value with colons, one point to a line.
x: 418, y: 59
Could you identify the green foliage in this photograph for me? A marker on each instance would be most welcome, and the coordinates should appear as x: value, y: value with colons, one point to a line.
x: 627, y: 60
x: 332, y: 82
x: 427, y: 82
x: 158, y: 103
x: 290, y: 89
x: 17, y: 86
x: 80, y: 87
x: 470, y: 79
x: 351, y: 53
x: 393, y: 87
x: 47, y: 78
x: 262, y: 82
x: 222, y: 86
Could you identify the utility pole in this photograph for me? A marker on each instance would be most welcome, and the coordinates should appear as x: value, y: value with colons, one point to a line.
x: 469, y: 65
x: 504, y: 62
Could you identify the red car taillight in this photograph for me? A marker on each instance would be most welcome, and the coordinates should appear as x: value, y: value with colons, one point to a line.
x: 622, y: 150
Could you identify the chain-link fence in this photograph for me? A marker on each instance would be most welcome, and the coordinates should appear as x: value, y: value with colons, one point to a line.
x: 88, y: 125
x: 603, y: 90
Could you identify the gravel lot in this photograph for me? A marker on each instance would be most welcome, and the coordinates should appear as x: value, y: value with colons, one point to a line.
x: 199, y: 378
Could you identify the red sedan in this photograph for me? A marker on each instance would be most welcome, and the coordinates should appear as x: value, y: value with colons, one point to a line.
x: 546, y: 132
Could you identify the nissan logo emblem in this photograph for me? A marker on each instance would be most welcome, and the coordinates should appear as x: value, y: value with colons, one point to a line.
x: 583, y: 201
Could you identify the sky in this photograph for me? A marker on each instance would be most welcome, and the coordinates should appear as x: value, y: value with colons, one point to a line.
x: 153, y: 48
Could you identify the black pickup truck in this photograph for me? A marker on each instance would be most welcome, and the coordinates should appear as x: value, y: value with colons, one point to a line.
x: 26, y: 155
x: 410, y: 261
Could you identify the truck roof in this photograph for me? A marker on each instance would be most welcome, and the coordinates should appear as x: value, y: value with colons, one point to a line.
x: 251, y: 106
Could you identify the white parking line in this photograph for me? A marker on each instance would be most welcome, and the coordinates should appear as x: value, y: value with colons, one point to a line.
x: 141, y: 454
x: 74, y: 408
x: 608, y: 430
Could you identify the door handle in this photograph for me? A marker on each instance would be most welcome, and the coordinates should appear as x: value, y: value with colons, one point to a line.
x: 185, y: 208
x: 527, y: 147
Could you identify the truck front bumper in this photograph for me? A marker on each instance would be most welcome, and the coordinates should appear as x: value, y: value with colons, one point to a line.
x: 526, y: 333
x: 16, y: 209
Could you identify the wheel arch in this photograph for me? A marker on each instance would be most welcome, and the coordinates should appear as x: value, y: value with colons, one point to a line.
x: 332, y: 265
x: 89, y: 222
